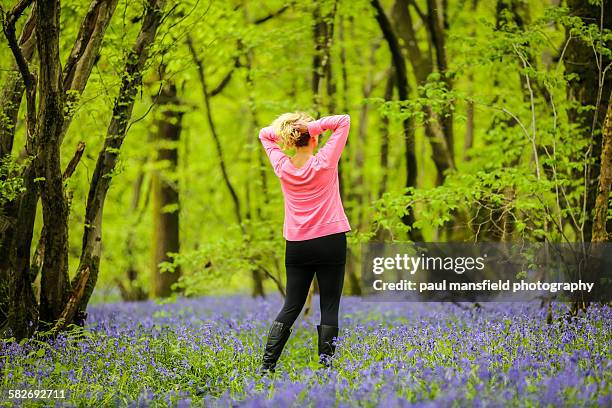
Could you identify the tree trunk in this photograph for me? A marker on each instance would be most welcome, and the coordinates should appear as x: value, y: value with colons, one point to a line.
x: 321, y: 64
x: 257, y: 274
x: 76, y: 74
x: 13, y: 88
x: 586, y: 90
x: 357, y: 194
x: 213, y: 130
x: 133, y: 290
x: 468, y: 140
x: 18, y: 306
x: 403, y: 89
x: 45, y: 130
x: 164, y: 190
x: 107, y: 158
x: 39, y: 253
x: 55, y: 284
x: 22, y: 316
x: 85, y: 53
x: 384, y: 132
x: 438, y: 40
x: 352, y: 212
x: 423, y: 66
x: 600, y: 220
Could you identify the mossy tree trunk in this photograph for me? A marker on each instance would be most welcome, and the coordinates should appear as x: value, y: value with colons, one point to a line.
x: 600, y: 220
x: 107, y: 158
x: 46, y: 124
x: 55, y: 284
x: 592, y: 87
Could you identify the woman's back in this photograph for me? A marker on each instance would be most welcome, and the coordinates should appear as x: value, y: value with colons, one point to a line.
x: 313, y: 207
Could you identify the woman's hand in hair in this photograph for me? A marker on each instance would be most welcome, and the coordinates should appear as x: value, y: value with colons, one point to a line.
x: 301, y: 126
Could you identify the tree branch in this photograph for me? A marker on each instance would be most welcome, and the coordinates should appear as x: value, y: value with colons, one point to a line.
x: 29, y: 80
x: 13, y: 88
x: 87, y: 45
x: 74, y: 161
x: 201, y: 74
x: 272, y: 15
x: 9, y: 31
x: 418, y: 10
x: 225, y: 81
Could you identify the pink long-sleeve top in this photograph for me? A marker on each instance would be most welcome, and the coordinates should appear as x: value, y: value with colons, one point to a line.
x: 313, y: 207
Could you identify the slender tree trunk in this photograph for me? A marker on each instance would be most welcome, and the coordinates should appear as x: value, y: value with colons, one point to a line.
x: 438, y: 39
x: 403, y: 89
x: 588, y: 90
x: 321, y: 63
x: 18, y: 306
x: 13, y: 88
x: 384, y: 132
x: 55, y: 284
x: 343, y: 65
x: 107, y: 158
x: 85, y: 53
x: 164, y: 190
x: 351, y: 270
x: 600, y: 220
x: 257, y: 274
x: 468, y: 140
x: 423, y: 66
x: 357, y: 194
x: 381, y: 234
x: 22, y: 306
x: 202, y: 76
x: 133, y: 290
x: 263, y: 179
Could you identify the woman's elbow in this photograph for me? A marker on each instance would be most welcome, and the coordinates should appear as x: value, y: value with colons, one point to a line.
x: 345, y: 120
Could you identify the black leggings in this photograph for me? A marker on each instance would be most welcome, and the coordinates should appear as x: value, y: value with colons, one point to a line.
x: 325, y: 257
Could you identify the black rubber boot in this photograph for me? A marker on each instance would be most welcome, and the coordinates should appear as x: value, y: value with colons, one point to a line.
x: 277, y: 338
x: 327, y: 343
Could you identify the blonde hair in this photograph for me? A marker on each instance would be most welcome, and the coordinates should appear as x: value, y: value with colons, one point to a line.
x: 283, y: 126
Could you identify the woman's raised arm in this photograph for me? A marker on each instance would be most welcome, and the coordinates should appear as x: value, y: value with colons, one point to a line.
x: 269, y: 140
x: 339, y: 125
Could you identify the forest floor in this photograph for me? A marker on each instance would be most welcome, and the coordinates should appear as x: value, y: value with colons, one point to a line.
x: 389, y: 354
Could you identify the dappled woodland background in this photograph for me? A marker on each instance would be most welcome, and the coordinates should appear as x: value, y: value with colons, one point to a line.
x: 131, y: 163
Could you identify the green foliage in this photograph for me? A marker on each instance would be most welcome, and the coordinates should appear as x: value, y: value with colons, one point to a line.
x: 11, y: 181
x: 270, y: 65
x: 434, y: 94
x: 234, y: 256
x: 527, y: 170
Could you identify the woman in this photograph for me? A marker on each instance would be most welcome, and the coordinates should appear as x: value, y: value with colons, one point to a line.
x: 315, y: 224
